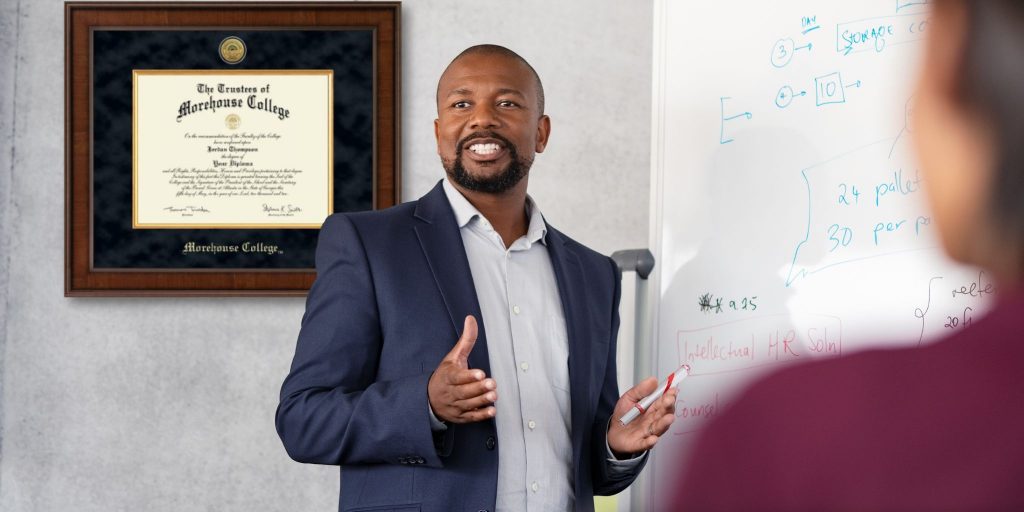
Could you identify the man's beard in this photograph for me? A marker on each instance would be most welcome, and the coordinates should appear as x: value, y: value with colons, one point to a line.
x: 516, y: 170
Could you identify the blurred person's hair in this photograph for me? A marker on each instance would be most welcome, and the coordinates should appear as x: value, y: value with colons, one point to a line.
x: 991, y: 83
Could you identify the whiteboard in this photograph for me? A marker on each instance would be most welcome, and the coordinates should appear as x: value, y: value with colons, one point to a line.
x: 788, y: 219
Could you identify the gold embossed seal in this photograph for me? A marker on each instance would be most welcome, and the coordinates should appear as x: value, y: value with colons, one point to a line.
x: 232, y: 121
x: 232, y: 50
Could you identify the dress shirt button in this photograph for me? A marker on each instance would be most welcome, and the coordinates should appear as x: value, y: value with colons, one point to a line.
x: 532, y: 424
x: 525, y: 366
x: 515, y: 309
x: 490, y: 442
x: 535, y: 486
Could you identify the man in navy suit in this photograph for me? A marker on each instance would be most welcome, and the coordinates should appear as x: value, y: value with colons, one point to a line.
x: 457, y: 352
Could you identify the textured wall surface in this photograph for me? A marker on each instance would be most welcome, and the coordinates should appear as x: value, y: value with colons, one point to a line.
x: 168, y: 404
x: 8, y: 42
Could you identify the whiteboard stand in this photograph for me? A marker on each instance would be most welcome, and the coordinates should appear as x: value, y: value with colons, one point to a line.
x: 641, y: 262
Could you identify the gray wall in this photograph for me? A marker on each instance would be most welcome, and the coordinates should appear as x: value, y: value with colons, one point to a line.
x: 168, y: 404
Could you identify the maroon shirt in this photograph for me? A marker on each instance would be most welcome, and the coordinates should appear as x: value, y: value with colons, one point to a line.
x: 933, y: 428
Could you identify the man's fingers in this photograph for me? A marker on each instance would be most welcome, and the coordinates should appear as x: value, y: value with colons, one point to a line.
x: 666, y: 403
x: 476, y: 415
x: 476, y: 402
x: 670, y: 401
x: 644, y: 388
x: 460, y: 352
x: 663, y: 424
x: 661, y: 420
x: 643, y: 433
x: 472, y: 390
x: 460, y: 377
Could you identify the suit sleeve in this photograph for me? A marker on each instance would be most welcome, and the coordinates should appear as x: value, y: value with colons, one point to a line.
x: 333, y: 410
x: 611, y: 477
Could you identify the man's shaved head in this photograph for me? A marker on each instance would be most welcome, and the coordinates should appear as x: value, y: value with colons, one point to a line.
x: 493, y: 49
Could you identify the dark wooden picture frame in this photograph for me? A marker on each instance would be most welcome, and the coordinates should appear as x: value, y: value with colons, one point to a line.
x: 104, y: 256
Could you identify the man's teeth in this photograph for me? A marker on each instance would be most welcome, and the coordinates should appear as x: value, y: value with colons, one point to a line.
x: 484, y: 149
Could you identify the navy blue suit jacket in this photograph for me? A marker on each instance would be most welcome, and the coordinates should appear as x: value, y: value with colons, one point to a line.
x: 391, y: 293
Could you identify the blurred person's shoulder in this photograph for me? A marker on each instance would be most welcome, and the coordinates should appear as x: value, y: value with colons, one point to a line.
x: 908, y: 426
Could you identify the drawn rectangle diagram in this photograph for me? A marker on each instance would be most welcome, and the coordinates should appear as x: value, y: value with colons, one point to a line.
x: 829, y: 89
x: 757, y: 342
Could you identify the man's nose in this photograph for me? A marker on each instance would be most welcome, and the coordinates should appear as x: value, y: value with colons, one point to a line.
x: 484, y: 117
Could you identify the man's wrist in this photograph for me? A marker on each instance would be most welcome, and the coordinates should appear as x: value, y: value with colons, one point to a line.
x: 436, y: 424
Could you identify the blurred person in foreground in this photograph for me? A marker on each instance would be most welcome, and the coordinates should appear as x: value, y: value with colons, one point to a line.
x: 935, y: 428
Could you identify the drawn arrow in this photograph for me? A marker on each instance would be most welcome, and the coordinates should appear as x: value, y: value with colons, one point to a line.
x: 783, y: 94
x: 748, y: 115
x: 809, y: 46
x: 855, y: 84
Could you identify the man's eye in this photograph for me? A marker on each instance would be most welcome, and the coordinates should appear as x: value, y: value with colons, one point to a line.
x: 507, y: 104
x: 460, y: 104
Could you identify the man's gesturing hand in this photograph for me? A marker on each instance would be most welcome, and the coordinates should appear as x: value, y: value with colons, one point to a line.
x: 642, y: 433
x: 456, y: 393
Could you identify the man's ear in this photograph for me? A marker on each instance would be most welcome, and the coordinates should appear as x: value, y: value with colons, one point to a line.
x: 437, y: 135
x: 543, y: 131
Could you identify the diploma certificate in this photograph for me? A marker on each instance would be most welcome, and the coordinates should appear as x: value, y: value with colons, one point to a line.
x: 232, y: 148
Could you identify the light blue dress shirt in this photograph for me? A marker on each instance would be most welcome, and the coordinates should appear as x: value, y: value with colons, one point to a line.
x: 528, y: 351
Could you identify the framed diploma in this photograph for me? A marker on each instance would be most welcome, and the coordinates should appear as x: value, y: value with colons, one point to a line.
x: 207, y: 142
x: 270, y: 169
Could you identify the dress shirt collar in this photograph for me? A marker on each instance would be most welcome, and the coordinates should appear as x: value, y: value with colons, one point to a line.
x: 465, y: 213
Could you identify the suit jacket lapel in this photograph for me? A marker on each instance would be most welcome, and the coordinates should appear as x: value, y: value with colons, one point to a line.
x: 439, y: 236
x: 572, y: 291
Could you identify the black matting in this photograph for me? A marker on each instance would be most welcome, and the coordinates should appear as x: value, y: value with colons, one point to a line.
x: 116, y: 245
